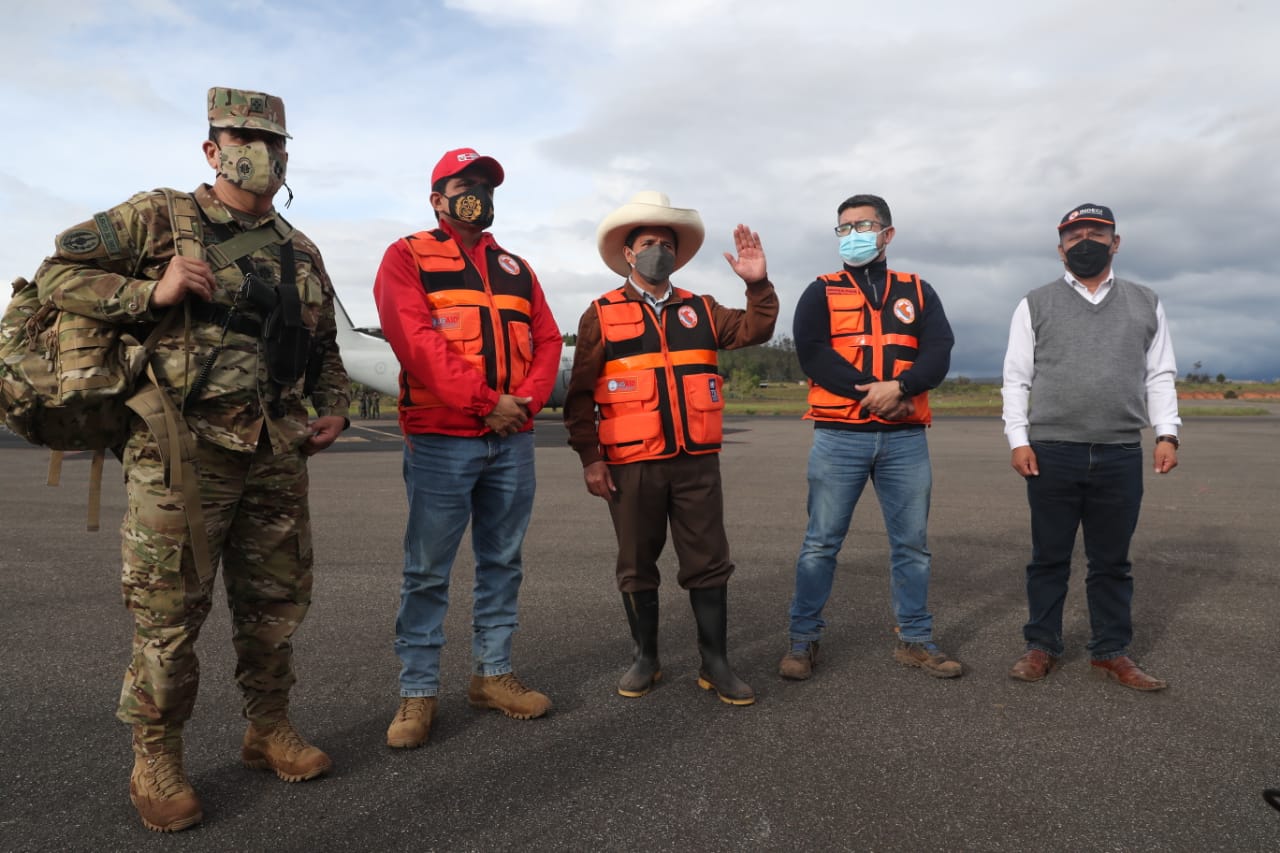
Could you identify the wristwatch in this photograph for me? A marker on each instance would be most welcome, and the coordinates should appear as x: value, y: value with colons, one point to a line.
x: 902, y: 388
x: 1172, y: 439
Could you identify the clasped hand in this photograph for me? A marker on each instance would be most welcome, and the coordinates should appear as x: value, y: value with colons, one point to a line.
x: 509, y: 415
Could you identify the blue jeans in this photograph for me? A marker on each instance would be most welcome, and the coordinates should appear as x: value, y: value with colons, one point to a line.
x: 1097, y: 487
x: 452, y: 480
x: 841, y: 461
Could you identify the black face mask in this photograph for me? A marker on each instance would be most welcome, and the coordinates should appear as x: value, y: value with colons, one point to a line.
x: 1088, y: 258
x: 473, y: 206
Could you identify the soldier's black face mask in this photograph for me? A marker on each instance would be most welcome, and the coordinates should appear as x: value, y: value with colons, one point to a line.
x: 473, y: 206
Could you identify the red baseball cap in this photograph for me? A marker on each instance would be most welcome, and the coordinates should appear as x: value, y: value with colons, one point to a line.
x: 458, y: 159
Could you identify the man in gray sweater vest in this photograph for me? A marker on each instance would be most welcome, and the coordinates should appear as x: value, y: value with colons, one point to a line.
x: 1089, y: 365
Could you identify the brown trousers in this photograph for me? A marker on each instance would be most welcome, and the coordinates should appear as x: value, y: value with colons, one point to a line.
x: 685, y: 491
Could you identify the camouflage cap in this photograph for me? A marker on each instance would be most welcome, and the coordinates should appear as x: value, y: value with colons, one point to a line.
x: 242, y: 108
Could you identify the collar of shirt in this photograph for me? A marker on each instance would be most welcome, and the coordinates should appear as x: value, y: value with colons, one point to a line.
x: 476, y: 252
x: 650, y: 298
x: 1099, y: 294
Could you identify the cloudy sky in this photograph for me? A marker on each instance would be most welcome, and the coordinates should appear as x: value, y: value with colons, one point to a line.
x: 980, y: 122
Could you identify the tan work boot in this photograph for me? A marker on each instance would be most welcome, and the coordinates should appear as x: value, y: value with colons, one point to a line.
x: 798, y: 663
x: 412, y: 724
x: 159, y: 790
x: 505, y: 693
x: 928, y: 657
x: 279, y: 747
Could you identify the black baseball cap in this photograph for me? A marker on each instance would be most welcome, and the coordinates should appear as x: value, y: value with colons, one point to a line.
x: 1088, y: 213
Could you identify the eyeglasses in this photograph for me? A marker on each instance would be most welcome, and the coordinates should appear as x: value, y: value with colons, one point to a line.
x: 862, y: 226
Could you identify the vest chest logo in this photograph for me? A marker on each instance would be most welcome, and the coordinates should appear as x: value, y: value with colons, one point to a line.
x: 688, y: 317
x: 616, y: 385
x: 904, y: 311
x: 509, y: 264
x: 444, y: 322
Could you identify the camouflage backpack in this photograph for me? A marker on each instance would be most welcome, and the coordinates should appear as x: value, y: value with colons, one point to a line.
x: 70, y: 382
x: 65, y: 379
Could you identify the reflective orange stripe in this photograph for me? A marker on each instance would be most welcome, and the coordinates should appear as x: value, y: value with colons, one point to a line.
x: 902, y: 340
x: 653, y: 361
x: 513, y: 303
x: 445, y: 298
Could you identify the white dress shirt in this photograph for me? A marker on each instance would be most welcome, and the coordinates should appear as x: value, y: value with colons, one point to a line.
x: 1019, y: 369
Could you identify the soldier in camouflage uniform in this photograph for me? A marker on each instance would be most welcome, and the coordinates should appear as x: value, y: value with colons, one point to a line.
x: 252, y: 436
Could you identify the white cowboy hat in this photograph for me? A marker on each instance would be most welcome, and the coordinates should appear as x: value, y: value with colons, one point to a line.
x: 648, y: 208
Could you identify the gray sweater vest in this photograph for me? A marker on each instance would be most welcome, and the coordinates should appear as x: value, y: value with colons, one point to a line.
x: 1090, y: 374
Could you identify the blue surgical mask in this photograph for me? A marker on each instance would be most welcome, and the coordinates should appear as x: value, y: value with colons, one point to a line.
x: 859, y: 249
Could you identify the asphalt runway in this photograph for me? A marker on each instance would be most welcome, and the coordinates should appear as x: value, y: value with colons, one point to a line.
x: 868, y: 755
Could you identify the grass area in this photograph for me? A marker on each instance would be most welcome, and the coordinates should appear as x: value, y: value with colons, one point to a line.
x: 970, y: 399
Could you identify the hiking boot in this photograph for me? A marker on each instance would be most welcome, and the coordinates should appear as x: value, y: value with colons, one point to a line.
x: 798, y: 663
x: 928, y: 657
x: 279, y: 747
x: 412, y: 724
x: 505, y: 693
x: 159, y: 790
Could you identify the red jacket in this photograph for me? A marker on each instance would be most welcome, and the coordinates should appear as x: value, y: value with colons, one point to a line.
x: 442, y: 389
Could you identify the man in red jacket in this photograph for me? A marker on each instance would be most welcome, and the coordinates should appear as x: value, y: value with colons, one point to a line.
x: 478, y: 350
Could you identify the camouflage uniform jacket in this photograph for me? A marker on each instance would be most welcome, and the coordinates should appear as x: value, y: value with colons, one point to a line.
x: 108, y: 267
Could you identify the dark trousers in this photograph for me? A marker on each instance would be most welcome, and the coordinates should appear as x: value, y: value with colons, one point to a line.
x: 1097, y: 487
x: 685, y: 491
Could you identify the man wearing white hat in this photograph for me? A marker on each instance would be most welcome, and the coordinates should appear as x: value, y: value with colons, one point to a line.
x: 644, y: 411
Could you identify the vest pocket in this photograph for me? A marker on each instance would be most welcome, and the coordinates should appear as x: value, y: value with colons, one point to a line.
x: 704, y: 404
x: 623, y: 321
x: 825, y: 405
x: 460, y: 326
x: 901, y: 366
x: 630, y: 423
x: 520, y: 354
x: 847, y: 314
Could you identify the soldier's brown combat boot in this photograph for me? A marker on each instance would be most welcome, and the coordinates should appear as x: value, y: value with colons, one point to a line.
x: 412, y: 725
x: 159, y: 790
x: 279, y: 747
x: 505, y: 693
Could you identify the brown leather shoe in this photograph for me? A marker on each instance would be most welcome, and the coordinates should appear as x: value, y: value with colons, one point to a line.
x: 798, y: 663
x: 1125, y: 671
x: 1033, y: 665
x: 928, y: 657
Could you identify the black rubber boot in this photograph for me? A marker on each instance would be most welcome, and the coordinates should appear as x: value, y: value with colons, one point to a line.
x: 645, y: 671
x: 710, y: 611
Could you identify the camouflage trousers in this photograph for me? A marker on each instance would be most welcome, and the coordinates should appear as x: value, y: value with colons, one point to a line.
x: 255, y: 512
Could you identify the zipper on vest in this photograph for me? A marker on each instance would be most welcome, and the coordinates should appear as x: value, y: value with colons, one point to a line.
x: 500, y: 371
x: 677, y: 401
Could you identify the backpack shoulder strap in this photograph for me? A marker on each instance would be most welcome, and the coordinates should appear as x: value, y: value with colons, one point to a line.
x: 184, y: 219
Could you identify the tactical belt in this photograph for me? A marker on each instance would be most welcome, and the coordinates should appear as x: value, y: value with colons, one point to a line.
x: 221, y: 315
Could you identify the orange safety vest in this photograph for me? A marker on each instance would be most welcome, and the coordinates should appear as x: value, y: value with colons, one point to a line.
x: 484, y: 315
x: 880, y: 342
x: 659, y: 394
